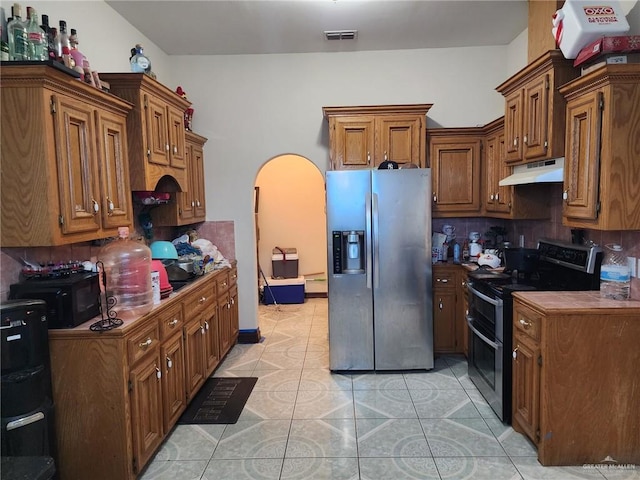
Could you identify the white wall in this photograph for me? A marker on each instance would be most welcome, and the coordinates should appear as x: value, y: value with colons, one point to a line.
x: 105, y: 38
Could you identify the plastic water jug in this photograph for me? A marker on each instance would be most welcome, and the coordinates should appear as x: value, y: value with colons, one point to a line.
x: 127, y: 265
x: 615, y: 277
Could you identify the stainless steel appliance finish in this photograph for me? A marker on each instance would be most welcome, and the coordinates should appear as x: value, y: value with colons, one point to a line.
x: 380, y: 306
x: 561, y: 266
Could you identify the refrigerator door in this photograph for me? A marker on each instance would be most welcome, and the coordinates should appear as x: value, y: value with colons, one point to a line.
x: 401, y: 218
x: 350, y: 297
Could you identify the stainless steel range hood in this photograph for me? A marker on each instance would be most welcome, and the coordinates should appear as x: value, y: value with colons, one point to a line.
x: 546, y: 171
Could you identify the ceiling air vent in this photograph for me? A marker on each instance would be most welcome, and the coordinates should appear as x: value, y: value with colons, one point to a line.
x: 340, y: 34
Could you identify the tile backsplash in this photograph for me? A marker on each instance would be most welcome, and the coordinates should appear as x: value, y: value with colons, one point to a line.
x: 221, y: 234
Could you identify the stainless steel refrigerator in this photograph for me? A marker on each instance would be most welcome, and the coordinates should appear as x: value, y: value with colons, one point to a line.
x: 379, y: 269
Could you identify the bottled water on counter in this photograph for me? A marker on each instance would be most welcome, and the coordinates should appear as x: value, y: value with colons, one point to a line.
x: 615, y: 277
x: 127, y: 265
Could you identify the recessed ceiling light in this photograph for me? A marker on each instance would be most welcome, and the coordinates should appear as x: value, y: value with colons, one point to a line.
x: 341, y: 34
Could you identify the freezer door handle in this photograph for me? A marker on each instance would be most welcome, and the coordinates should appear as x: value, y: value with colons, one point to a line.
x: 376, y: 245
x: 367, y: 240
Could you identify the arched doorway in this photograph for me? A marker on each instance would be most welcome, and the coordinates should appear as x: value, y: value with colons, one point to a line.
x: 290, y: 213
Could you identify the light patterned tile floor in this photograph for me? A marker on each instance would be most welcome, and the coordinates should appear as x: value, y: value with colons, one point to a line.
x: 304, y: 422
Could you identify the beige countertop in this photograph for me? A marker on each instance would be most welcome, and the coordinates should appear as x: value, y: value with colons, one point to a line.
x: 577, y: 302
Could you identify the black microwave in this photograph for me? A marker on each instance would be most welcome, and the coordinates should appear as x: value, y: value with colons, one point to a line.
x: 70, y: 300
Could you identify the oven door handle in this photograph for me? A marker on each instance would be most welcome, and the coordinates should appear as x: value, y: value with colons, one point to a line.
x: 490, y: 300
x: 493, y: 345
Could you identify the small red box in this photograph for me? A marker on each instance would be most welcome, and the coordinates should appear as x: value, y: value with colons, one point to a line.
x: 604, y: 45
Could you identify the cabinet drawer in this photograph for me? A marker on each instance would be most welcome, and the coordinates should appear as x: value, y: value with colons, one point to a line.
x: 233, y: 276
x: 144, y: 342
x: 222, y: 280
x: 197, y: 302
x: 527, y: 322
x: 444, y: 279
x: 171, y: 320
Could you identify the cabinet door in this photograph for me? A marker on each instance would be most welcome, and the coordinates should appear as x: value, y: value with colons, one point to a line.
x: 399, y: 139
x: 462, y: 300
x: 444, y: 320
x: 177, y: 145
x: 174, y: 399
x: 353, y: 142
x: 78, y: 179
x: 582, y: 157
x: 186, y: 199
x: 456, y: 176
x: 157, y: 128
x: 513, y: 127
x: 197, y: 182
x: 536, y: 119
x: 526, y: 386
x: 146, y: 409
x: 212, y: 342
x: 497, y: 198
x: 194, y: 347
x: 224, y: 322
x: 234, y: 317
x: 114, y: 171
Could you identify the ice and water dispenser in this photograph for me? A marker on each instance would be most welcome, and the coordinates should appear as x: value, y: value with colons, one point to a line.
x: 348, y: 252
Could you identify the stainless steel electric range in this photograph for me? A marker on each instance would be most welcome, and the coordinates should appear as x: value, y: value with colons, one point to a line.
x: 560, y: 266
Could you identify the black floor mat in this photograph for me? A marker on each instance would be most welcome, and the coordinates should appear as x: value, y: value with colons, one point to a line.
x: 220, y: 400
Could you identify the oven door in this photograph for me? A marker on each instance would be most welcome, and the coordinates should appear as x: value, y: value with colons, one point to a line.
x: 486, y: 350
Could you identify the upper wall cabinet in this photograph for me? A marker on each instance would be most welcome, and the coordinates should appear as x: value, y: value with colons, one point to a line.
x: 508, y: 202
x: 601, y: 172
x: 455, y: 161
x: 64, y: 171
x: 364, y: 137
x: 535, y: 110
x: 188, y: 207
x: 155, y: 129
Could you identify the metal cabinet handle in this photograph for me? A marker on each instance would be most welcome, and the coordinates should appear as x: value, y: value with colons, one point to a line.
x: 197, y: 203
x: 166, y: 147
x: 158, y: 373
x: 96, y: 207
x: 173, y: 322
x: 515, y: 142
x: 524, y: 140
x: 491, y: 196
x: 206, y: 325
x: 146, y: 343
x: 110, y: 206
x: 443, y: 280
x: 234, y: 276
x: 515, y: 352
x: 224, y: 284
x: 368, y: 158
x: 440, y: 306
x: 202, y: 300
x: 169, y: 362
x: 233, y: 302
x: 435, y: 198
x: 497, y: 197
x: 202, y: 329
x: 525, y: 323
x: 175, y: 149
x: 565, y: 195
x: 385, y: 156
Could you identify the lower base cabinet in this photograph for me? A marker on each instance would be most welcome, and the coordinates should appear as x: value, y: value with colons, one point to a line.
x: 118, y: 393
x: 449, y: 304
x: 575, y: 377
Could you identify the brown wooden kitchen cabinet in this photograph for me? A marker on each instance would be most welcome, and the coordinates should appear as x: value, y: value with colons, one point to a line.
x: 125, y: 388
x: 448, y: 329
x: 188, y: 207
x: 201, y: 334
x: 575, y: 376
x: 228, y: 310
x: 601, y: 184
x: 364, y: 137
x: 462, y: 300
x: 535, y: 110
x: 65, y: 174
x: 155, y: 129
x: 455, y: 161
x: 508, y: 202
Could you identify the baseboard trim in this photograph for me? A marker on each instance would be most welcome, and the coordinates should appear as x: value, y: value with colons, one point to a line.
x: 249, y: 336
x: 316, y: 295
